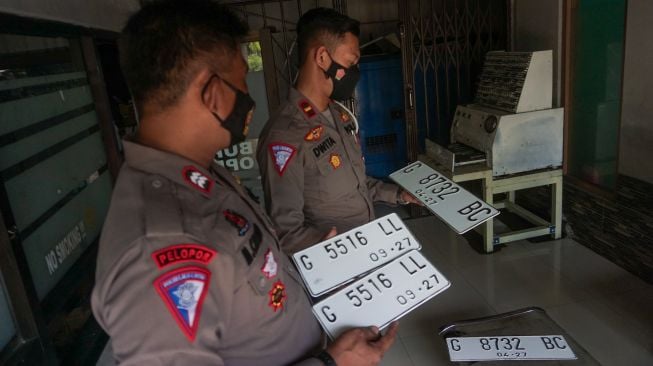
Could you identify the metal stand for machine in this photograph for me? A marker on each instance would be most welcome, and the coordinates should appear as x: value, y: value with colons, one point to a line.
x: 509, y: 186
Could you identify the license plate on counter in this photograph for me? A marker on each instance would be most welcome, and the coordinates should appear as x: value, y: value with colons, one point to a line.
x: 382, y: 296
x: 333, y: 262
x: 458, y: 208
x: 547, y: 347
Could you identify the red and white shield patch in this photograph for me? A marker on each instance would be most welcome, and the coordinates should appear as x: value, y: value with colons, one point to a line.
x: 183, y: 291
x: 281, y: 155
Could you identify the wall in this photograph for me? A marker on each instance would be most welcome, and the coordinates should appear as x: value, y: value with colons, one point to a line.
x: 537, y: 25
x: 618, y: 227
x: 107, y: 14
x: 636, y: 145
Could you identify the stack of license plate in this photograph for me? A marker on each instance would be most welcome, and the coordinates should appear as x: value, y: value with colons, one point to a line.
x: 375, y: 273
x: 371, y: 275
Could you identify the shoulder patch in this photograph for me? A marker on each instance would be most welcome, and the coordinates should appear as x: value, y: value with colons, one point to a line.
x: 282, y: 154
x: 183, y: 292
x: 197, y: 179
x: 270, y: 266
x: 314, y: 134
x: 236, y: 220
x: 277, y: 296
x: 180, y: 253
x: 306, y: 107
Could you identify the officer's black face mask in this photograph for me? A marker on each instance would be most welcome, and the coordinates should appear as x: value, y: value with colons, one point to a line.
x: 237, y: 122
x: 344, y: 80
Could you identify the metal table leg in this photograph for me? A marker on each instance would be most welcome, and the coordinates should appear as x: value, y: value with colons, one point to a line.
x: 556, y: 207
x: 488, y: 226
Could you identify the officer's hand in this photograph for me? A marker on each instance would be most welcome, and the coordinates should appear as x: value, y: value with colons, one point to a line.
x: 362, y: 346
x: 333, y: 232
x: 407, y: 197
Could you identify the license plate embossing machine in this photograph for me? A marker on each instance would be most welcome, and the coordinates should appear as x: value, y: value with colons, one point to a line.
x: 510, y: 138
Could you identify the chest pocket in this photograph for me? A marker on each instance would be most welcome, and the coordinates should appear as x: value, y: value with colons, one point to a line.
x: 259, y: 283
x: 324, y: 164
x: 267, y: 277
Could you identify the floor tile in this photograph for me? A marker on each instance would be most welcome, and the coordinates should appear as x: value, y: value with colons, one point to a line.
x: 636, y: 306
x: 397, y: 355
x: 581, y: 265
x: 521, y: 282
x: 609, y: 337
x: 427, y: 350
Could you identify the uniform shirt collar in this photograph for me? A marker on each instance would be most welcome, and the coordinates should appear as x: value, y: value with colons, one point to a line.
x: 171, y: 166
x: 310, y: 112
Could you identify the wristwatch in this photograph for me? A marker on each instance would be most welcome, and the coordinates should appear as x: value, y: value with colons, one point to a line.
x: 325, y: 357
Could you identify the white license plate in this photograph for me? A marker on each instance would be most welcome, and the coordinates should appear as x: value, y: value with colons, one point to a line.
x: 546, y: 347
x: 454, y: 205
x: 382, y: 296
x: 333, y: 262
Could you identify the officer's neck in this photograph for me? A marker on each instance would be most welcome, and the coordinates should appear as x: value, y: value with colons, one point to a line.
x: 169, y: 132
x: 310, y: 83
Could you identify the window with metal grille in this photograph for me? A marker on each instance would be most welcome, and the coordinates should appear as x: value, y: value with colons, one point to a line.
x: 380, y: 144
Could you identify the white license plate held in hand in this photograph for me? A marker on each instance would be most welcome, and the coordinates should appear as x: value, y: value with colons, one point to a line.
x: 546, y: 347
x: 382, y: 296
x: 458, y: 208
x: 333, y: 262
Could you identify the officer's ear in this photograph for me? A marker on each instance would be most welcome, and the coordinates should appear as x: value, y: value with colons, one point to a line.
x: 322, y: 58
x: 211, y: 92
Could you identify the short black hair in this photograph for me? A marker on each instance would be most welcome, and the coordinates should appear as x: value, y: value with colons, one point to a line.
x: 164, y: 42
x: 323, y: 25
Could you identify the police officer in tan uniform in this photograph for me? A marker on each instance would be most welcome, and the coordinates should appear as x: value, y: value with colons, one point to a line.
x: 309, y: 153
x: 189, y: 269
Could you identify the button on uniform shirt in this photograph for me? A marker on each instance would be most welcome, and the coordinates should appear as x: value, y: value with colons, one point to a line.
x: 314, y: 174
x: 190, y: 272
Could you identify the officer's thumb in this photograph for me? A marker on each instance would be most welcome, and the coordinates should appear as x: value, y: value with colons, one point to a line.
x: 333, y: 232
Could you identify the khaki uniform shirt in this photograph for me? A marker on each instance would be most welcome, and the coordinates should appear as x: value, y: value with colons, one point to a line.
x: 190, y: 272
x: 314, y: 174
